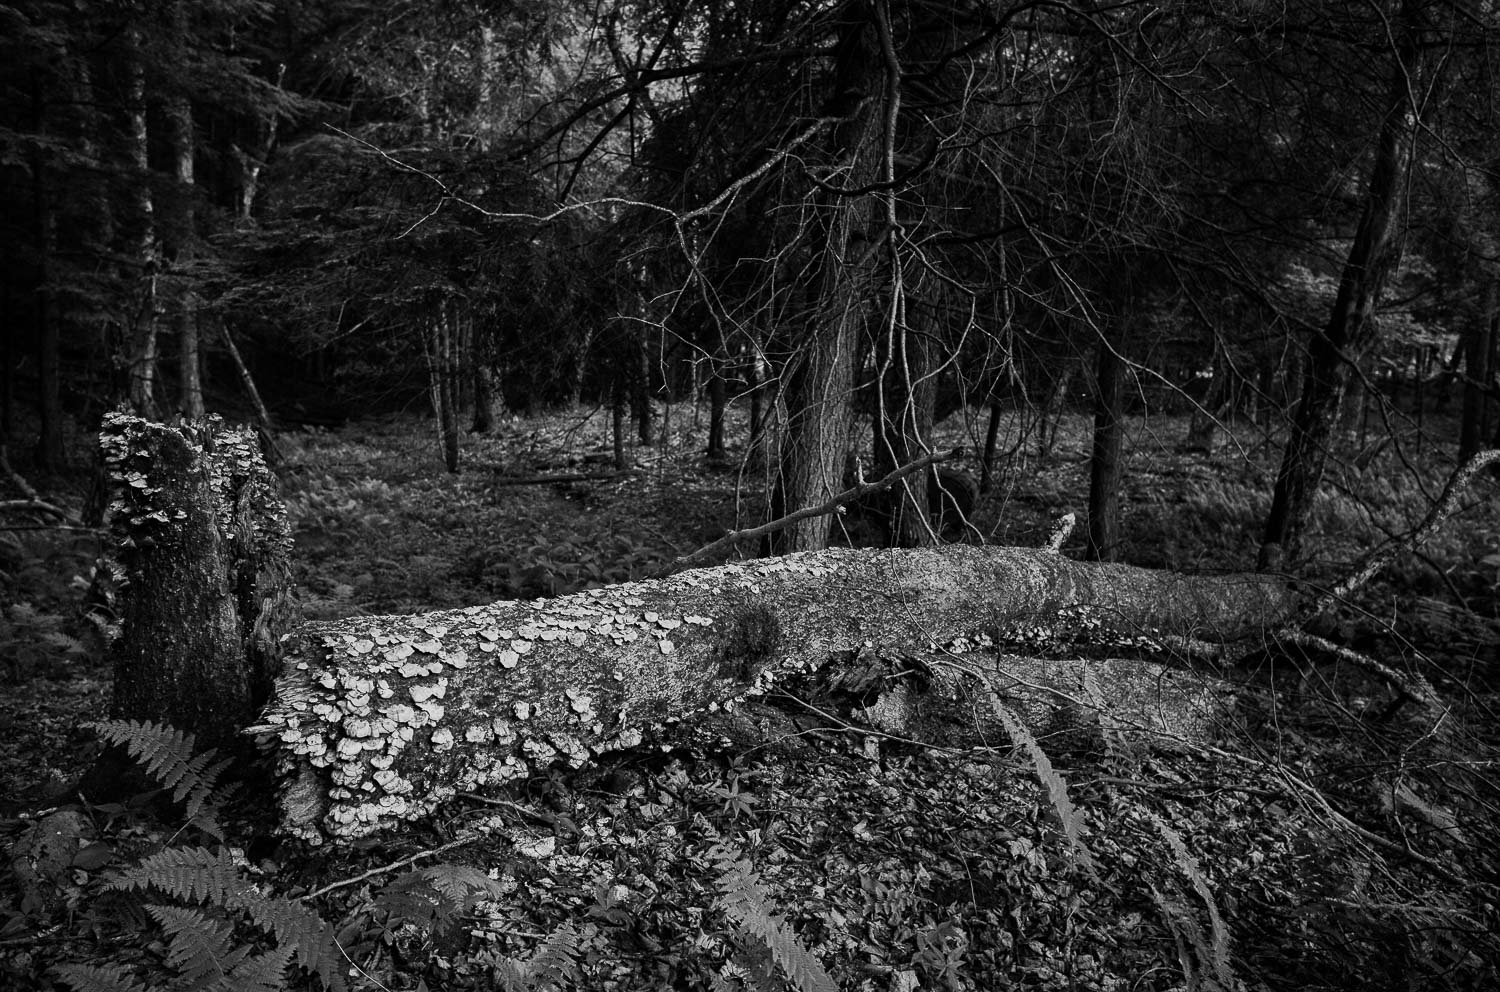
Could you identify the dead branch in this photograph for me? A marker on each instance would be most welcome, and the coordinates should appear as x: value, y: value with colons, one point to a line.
x: 831, y: 505
x: 1387, y: 552
x: 541, y: 480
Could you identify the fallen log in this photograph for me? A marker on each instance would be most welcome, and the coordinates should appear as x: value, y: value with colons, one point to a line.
x: 378, y: 720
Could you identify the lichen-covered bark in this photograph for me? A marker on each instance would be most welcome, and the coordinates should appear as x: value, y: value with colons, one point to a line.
x: 200, y: 574
x: 379, y: 719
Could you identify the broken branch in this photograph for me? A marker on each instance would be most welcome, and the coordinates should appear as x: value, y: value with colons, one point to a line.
x: 831, y: 505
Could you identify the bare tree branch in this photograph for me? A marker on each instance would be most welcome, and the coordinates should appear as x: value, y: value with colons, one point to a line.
x: 831, y: 505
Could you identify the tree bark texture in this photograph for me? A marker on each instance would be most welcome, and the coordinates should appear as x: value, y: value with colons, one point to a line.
x: 49, y: 448
x: 1105, y: 466
x: 1337, y: 349
x: 179, y: 245
x: 820, y: 374
x: 200, y: 575
x: 137, y: 228
x: 1477, y: 345
x: 377, y: 720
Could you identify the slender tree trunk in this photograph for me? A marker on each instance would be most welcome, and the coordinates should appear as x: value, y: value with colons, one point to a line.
x: 7, y: 364
x: 1217, y: 403
x: 718, y: 397
x: 903, y: 426
x: 137, y: 230
x: 261, y: 413
x: 991, y: 444
x: 1348, y: 332
x: 641, y: 406
x: 819, y: 378
x: 442, y: 377
x: 251, y: 162
x: 179, y: 113
x: 486, y: 398
x: 1477, y: 345
x: 619, y: 409
x: 49, y: 448
x: 1106, y: 467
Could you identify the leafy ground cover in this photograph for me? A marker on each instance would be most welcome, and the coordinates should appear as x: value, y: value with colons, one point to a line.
x: 1313, y: 846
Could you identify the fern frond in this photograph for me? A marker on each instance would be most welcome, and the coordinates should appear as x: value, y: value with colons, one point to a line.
x: 168, y: 756
x: 1218, y: 955
x: 99, y: 978
x: 743, y: 899
x: 512, y: 975
x: 557, y: 959
x: 200, y: 947
x: 297, y: 929
x: 192, y: 874
x: 261, y: 973
x: 1051, y: 779
x: 458, y: 884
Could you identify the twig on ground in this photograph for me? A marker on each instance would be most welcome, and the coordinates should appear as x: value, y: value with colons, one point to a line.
x: 831, y: 505
x: 395, y: 866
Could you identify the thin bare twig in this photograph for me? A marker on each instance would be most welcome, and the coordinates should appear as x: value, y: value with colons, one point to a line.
x: 395, y: 866
x: 831, y: 505
x: 1387, y: 551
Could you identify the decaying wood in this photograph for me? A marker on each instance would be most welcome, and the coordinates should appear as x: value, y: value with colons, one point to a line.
x: 198, y: 581
x: 377, y: 720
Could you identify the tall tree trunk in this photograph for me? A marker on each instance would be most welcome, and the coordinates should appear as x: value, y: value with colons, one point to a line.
x: 641, y: 406
x: 253, y: 160
x: 49, y: 447
x: 1218, y: 402
x: 178, y: 246
x: 1478, y: 345
x: 619, y: 408
x: 1347, y: 334
x: 903, y: 429
x: 991, y: 443
x: 261, y: 413
x: 439, y: 350
x: 487, y: 397
x: 819, y: 377
x: 137, y: 228
x: 1106, y: 466
x: 718, y: 397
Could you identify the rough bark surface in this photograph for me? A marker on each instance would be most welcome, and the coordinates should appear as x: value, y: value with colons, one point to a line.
x: 200, y: 575
x: 377, y: 720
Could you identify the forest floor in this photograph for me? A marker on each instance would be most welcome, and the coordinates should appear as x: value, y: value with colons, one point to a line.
x: 1311, y: 847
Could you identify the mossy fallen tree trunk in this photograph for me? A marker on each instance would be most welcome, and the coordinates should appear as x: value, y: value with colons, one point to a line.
x: 377, y: 720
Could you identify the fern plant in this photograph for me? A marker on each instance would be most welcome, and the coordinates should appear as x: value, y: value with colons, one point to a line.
x: 168, y: 755
x: 214, y: 927
x: 743, y: 899
x: 552, y: 964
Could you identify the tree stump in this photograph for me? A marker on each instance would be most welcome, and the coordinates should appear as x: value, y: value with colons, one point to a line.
x: 197, y: 581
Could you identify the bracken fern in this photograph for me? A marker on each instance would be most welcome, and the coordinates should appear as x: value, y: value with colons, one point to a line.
x: 167, y: 755
x: 742, y: 898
